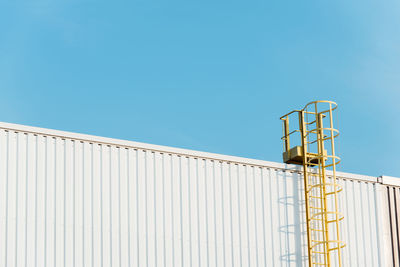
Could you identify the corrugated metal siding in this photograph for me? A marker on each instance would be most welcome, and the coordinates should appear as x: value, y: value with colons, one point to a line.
x: 65, y: 202
x: 393, y: 195
x: 361, y: 226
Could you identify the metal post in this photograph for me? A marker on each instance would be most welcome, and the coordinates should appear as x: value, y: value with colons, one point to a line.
x: 306, y: 189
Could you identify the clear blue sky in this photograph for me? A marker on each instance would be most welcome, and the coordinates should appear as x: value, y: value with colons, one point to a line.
x: 206, y: 75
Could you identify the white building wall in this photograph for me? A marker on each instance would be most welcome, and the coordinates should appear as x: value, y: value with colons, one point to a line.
x: 78, y: 200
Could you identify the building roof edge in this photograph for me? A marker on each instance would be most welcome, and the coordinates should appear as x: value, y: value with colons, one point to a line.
x: 184, y: 152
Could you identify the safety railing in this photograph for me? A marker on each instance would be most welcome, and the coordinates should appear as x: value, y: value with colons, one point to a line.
x: 317, y: 149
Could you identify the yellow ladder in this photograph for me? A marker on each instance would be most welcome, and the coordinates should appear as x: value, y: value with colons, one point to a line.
x: 321, y: 188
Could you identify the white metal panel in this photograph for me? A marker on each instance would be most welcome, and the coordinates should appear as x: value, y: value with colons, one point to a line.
x: 393, y: 201
x: 392, y: 181
x: 76, y: 202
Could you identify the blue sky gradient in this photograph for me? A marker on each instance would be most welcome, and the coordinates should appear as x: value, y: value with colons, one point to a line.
x: 206, y: 75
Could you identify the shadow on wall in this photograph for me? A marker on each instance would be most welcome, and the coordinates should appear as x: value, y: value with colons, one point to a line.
x: 292, y: 224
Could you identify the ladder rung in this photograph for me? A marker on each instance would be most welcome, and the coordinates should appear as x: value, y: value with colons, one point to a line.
x: 317, y: 230
x: 319, y: 252
x: 319, y: 263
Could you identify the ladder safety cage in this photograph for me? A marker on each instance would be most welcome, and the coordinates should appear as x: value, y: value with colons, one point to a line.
x: 314, y: 132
